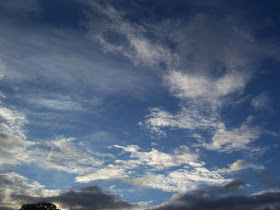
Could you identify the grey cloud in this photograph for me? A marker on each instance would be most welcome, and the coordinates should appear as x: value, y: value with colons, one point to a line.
x: 235, y: 186
x: 12, y: 150
x: 267, y: 180
x: 215, y: 198
x: 15, y: 184
x: 5, y: 208
x: 91, y: 198
x: 17, y: 190
x: 18, y: 8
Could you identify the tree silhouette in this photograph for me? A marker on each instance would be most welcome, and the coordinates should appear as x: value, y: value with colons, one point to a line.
x: 39, y: 206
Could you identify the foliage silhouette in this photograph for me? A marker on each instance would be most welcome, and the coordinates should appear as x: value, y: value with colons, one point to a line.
x: 39, y: 206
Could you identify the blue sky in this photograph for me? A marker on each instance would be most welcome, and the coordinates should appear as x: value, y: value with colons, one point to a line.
x: 140, y: 104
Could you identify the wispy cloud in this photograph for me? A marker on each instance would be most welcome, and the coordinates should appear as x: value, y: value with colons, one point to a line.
x: 235, y: 139
x: 202, y: 98
x: 12, y: 122
x: 205, y: 89
x: 59, y: 154
x: 181, y: 180
x: 153, y: 160
x: 261, y: 101
x: 160, y: 170
x: 117, y: 35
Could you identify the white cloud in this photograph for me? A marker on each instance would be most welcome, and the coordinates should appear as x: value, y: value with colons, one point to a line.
x: 109, y: 172
x: 13, y: 150
x: 240, y: 165
x: 153, y: 169
x: 63, y: 155
x: 243, y: 164
x: 188, y: 118
x: 196, y: 87
x: 190, y: 178
x: 181, y: 180
x: 202, y: 98
x: 63, y: 103
x: 12, y: 122
x: 153, y: 160
x: 261, y: 101
x: 160, y: 160
x: 234, y: 139
x: 59, y: 154
x: 131, y: 41
x: 264, y: 192
x: 14, y: 184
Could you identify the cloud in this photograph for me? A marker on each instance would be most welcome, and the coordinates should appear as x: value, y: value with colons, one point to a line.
x: 12, y: 137
x: 153, y: 160
x: 233, y: 140
x: 197, y: 87
x: 243, y: 164
x: 60, y: 103
x: 216, y: 198
x: 158, y: 170
x: 2, y: 68
x: 17, y: 190
x: 234, y: 187
x: 240, y: 165
x: 90, y: 197
x: 181, y: 180
x: 63, y: 155
x: 188, y: 118
x: 201, y: 99
x: 60, y: 154
x: 30, y: 6
x: 160, y: 160
x: 107, y: 173
x: 118, y: 35
x: 12, y: 150
x: 267, y: 180
x: 12, y: 122
x: 14, y: 184
x: 261, y: 101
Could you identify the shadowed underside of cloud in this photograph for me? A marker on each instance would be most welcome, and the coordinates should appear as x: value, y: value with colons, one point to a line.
x: 17, y: 190
x: 91, y: 197
x: 228, y: 196
x: 225, y: 197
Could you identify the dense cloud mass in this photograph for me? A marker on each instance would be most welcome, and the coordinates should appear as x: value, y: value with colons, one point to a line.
x: 218, y: 198
x: 17, y: 190
x: 91, y: 197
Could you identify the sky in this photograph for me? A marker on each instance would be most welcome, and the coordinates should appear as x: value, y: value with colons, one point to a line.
x: 140, y: 104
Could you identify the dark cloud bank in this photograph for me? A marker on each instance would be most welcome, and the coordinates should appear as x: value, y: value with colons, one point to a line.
x: 227, y: 197
x: 91, y: 197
